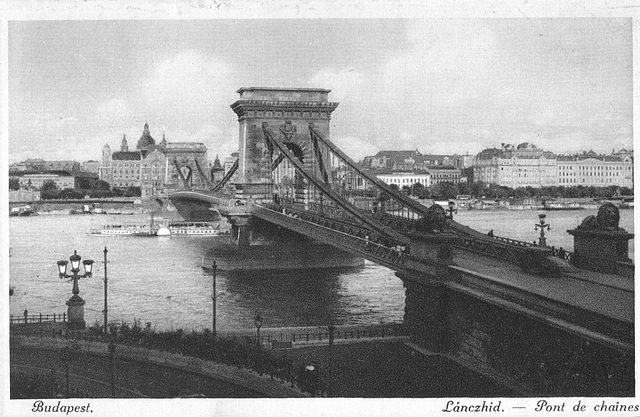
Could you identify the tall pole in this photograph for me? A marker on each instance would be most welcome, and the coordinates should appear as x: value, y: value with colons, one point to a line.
x: 213, y: 298
x: 105, y: 291
x: 112, y: 358
x: 332, y: 328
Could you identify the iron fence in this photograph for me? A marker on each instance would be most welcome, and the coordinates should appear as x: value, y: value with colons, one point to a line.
x: 38, y: 318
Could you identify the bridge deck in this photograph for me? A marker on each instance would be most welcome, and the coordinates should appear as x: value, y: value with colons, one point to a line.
x: 598, y: 306
x: 604, y: 294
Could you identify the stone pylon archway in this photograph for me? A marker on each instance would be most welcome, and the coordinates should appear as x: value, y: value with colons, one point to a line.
x: 288, y: 111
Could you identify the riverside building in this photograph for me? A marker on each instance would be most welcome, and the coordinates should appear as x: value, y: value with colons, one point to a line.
x: 528, y: 165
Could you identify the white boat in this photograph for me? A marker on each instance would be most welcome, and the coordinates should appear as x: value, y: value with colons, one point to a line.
x: 163, y: 231
x: 124, y: 230
x: 193, y: 229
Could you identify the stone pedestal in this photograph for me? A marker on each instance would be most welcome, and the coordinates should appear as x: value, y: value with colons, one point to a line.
x: 600, y: 250
x: 75, y: 313
x: 425, y: 313
x: 240, y: 231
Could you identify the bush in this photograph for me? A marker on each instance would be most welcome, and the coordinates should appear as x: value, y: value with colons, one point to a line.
x: 230, y: 351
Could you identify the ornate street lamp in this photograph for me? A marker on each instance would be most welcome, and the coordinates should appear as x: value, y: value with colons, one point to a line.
x: 542, y: 241
x: 75, y: 303
x: 257, y: 319
x: 452, y: 209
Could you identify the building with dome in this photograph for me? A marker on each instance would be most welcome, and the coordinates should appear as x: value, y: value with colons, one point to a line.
x: 155, y: 168
x: 527, y: 165
x: 524, y: 165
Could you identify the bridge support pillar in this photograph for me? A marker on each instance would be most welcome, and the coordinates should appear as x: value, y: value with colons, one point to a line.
x: 425, y: 312
x: 240, y: 231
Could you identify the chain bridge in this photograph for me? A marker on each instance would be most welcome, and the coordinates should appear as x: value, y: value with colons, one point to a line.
x: 513, y: 312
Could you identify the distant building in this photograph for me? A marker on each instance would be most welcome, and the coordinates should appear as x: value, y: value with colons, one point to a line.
x: 69, y: 166
x: 414, y: 160
x: 590, y: 169
x: 154, y: 167
x: 402, y: 179
x: 35, y: 181
x: 521, y: 166
x: 91, y: 167
x: 229, y: 161
x: 527, y: 165
x: 217, y: 171
x: 445, y: 174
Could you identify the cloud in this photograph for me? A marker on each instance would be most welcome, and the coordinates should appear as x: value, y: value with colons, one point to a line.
x: 112, y: 111
x: 188, y: 82
x: 345, y: 83
x: 356, y: 148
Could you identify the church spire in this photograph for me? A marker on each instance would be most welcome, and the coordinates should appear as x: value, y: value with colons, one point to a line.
x: 124, y: 146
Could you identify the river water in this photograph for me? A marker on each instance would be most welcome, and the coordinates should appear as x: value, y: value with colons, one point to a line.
x: 161, y: 281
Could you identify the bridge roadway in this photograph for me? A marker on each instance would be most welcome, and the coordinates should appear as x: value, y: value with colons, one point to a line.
x: 598, y: 306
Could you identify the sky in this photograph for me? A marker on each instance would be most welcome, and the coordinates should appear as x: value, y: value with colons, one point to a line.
x: 437, y: 85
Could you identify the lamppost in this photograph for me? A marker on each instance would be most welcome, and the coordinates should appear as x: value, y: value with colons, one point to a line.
x: 332, y: 329
x: 65, y: 357
x: 112, y: 360
x: 213, y: 299
x: 257, y: 319
x: 542, y: 225
x: 452, y: 209
x: 105, y: 291
x: 67, y: 354
x: 75, y: 303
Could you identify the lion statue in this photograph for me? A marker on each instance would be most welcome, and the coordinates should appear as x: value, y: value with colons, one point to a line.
x: 434, y: 220
x: 608, y: 218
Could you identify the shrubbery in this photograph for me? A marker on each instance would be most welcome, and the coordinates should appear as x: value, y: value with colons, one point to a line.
x: 243, y: 353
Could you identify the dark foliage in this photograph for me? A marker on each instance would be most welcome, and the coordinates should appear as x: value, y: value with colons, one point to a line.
x: 231, y: 351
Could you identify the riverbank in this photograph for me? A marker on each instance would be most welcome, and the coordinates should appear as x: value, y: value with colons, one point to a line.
x: 161, y: 207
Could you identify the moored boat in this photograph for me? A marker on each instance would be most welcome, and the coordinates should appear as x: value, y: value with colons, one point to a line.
x: 124, y: 230
x: 563, y: 206
x: 22, y: 211
x: 193, y: 229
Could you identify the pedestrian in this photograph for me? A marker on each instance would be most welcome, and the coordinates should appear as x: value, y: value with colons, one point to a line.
x: 561, y: 253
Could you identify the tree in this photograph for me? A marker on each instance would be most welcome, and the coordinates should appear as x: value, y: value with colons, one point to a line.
x: 14, y: 183
x: 132, y: 192
x: 49, y: 190
x: 417, y: 189
x: 444, y: 190
x: 70, y: 194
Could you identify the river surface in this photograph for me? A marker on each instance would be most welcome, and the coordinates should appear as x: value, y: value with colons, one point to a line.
x: 161, y: 280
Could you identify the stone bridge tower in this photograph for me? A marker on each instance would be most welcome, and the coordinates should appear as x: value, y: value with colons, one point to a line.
x: 288, y: 111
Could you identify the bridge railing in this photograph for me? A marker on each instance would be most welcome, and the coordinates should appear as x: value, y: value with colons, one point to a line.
x: 557, y: 252
x: 287, y: 337
x: 390, y: 254
x: 38, y: 318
